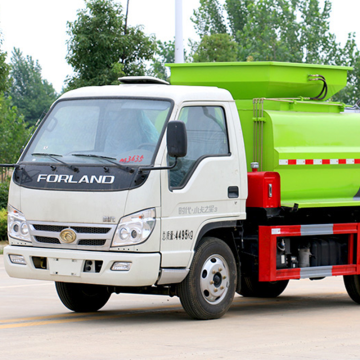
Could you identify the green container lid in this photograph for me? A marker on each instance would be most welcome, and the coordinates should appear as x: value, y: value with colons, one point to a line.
x: 249, y: 80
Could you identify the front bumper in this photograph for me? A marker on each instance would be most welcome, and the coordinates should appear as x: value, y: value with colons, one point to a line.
x: 69, y: 266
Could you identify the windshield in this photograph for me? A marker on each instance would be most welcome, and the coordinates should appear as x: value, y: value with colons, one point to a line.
x: 93, y: 131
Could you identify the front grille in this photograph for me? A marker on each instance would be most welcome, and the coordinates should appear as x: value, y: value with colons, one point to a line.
x: 78, y: 229
x: 90, y: 230
x: 88, y: 236
x: 49, y: 227
x: 92, y: 242
x: 47, y: 240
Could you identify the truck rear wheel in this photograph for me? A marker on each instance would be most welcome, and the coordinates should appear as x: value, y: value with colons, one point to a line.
x: 352, y: 285
x: 208, y: 290
x: 252, y: 287
x: 82, y: 297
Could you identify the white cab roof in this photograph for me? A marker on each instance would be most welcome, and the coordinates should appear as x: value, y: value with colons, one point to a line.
x: 176, y: 92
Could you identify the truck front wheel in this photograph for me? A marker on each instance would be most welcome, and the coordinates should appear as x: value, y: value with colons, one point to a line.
x: 252, y: 287
x: 352, y: 285
x: 208, y: 290
x: 82, y: 297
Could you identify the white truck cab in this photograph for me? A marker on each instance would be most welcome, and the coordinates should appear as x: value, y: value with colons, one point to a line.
x: 97, y: 205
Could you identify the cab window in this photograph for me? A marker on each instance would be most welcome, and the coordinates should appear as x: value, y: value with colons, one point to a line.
x: 207, y: 136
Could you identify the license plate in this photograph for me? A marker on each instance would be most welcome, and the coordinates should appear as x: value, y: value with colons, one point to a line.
x: 65, y: 267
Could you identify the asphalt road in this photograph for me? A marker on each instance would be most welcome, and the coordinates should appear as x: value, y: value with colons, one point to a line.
x: 311, y: 320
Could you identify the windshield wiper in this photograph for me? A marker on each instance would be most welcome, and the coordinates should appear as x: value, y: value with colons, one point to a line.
x: 109, y: 159
x: 52, y: 156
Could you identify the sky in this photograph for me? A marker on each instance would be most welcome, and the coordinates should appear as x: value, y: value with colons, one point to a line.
x: 38, y: 27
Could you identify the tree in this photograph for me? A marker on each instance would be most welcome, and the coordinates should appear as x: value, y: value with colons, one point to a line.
x: 351, y: 93
x: 271, y: 29
x: 13, y: 131
x: 216, y: 47
x: 165, y: 53
x: 31, y: 94
x: 237, y: 13
x: 4, y: 70
x: 209, y: 19
x: 102, y: 48
x: 270, y: 32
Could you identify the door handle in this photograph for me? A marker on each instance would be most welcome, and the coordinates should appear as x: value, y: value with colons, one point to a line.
x: 233, y: 192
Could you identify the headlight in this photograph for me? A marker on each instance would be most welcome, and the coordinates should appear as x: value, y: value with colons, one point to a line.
x: 17, y: 225
x: 135, y: 228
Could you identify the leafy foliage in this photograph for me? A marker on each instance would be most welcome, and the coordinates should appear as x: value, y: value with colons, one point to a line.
x: 13, y: 134
x: 351, y: 93
x: 237, y: 13
x: 4, y: 190
x: 216, y: 47
x: 4, y: 70
x: 101, y: 48
x: 3, y: 224
x: 165, y: 53
x: 270, y: 32
x: 283, y: 30
x: 209, y: 19
x: 13, y: 131
x: 31, y: 94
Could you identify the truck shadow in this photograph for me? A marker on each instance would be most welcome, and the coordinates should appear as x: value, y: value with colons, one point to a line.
x: 303, y: 305
x: 307, y: 303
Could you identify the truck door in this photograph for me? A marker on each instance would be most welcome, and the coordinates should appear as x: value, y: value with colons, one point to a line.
x: 204, y: 187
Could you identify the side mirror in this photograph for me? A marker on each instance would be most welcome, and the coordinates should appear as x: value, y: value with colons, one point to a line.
x: 176, y: 139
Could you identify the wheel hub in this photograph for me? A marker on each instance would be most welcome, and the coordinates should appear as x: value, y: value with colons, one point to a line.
x: 214, y: 279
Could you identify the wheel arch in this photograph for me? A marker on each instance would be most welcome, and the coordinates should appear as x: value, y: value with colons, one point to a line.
x: 225, y: 231
x: 222, y: 230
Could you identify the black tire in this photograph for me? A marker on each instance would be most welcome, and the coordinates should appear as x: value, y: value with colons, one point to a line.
x: 208, y: 290
x: 82, y: 297
x: 252, y: 287
x: 352, y: 286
